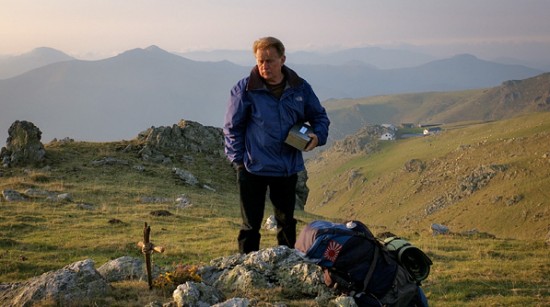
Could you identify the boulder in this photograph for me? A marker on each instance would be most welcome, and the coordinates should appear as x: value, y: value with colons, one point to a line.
x: 234, y: 302
x: 196, y: 294
x: 77, y: 282
x: 270, y: 223
x: 23, y: 146
x: 185, y: 176
x: 186, y: 136
x: 439, y: 229
x: 123, y: 268
x: 266, y: 269
x: 11, y: 195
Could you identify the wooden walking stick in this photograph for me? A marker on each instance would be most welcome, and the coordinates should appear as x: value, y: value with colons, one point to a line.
x: 147, y: 248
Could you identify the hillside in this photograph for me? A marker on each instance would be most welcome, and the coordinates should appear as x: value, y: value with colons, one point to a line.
x: 507, y: 100
x: 493, y: 177
x: 89, y: 201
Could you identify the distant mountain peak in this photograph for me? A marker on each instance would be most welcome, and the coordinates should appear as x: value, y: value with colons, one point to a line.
x: 151, y: 50
x: 154, y: 48
x: 47, y: 52
x: 44, y: 49
x: 465, y: 56
x: 15, y: 65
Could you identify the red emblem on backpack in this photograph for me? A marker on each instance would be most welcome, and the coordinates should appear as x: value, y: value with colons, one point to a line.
x: 332, y: 251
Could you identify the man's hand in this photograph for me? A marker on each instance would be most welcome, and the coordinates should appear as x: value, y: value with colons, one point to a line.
x: 313, y: 143
x: 237, y: 166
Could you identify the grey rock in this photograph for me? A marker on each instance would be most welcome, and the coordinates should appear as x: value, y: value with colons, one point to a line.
x: 38, y: 193
x: 234, y: 302
x: 185, y: 176
x: 193, y: 294
x: 438, y: 229
x: 343, y: 301
x: 187, y: 136
x: 123, y: 268
x: 270, y: 223
x: 154, y: 200
x: 76, y: 282
x: 12, y: 195
x: 266, y: 269
x: 23, y: 146
x: 65, y: 197
x: 183, y: 202
x: 85, y: 206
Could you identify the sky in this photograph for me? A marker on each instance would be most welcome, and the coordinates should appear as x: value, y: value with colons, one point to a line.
x: 91, y: 29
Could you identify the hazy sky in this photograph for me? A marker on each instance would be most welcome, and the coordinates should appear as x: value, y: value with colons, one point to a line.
x: 101, y: 28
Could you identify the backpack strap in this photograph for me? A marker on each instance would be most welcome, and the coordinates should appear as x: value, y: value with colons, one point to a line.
x: 371, y: 268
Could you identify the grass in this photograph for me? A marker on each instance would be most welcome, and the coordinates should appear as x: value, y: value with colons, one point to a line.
x: 39, y: 235
x: 474, y: 271
x: 512, y: 205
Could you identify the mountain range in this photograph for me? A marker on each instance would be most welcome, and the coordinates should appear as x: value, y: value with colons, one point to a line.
x: 11, y: 66
x: 112, y: 98
x: 374, y: 56
x: 509, y: 99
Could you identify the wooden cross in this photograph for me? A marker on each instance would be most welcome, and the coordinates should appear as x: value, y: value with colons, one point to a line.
x: 147, y: 248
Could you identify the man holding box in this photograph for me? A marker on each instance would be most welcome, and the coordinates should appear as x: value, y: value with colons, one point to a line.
x: 262, y: 109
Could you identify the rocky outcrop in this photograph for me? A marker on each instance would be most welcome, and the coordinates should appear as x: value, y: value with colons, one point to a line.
x: 161, y: 143
x: 414, y: 166
x: 77, y: 282
x: 11, y: 195
x: 235, y: 276
x: 366, y: 140
x: 23, y: 146
x: 268, y: 269
x: 15, y: 196
x: 466, y: 186
x: 179, y: 142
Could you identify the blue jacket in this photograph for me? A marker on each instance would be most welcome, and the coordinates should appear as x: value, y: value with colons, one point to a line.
x: 257, y: 124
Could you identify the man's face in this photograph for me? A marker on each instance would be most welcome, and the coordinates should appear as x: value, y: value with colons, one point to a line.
x: 270, y: 65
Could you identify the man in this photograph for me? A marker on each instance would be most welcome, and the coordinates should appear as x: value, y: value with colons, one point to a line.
x: 261, y: 110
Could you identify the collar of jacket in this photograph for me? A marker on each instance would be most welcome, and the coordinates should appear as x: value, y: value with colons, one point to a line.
x: 256, y: 82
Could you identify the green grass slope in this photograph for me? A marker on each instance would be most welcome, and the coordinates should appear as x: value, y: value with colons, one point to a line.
x: 110, y: 203
x: 492, y: 177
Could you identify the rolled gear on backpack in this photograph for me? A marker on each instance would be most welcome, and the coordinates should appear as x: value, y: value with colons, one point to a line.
x: 412, y: 258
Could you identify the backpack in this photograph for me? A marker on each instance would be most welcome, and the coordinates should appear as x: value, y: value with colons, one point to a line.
x: 358, y: 264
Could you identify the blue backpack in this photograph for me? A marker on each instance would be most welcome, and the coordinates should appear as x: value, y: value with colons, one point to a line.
x: 358, y: 264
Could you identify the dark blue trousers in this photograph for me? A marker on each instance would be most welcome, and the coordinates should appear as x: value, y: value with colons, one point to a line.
x: 252, y: 191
